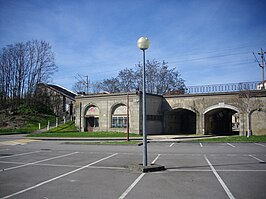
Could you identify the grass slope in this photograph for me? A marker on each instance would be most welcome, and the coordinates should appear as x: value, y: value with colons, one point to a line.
x: 29, y: 123
x: 69, y: 130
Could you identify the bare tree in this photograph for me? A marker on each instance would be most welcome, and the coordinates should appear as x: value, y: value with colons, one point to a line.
x: 22, y: 67
x: 126, y: 79
x: 159, y: 79
x: 96, y: 87
x: 110, y: 85
x: 79, y: 87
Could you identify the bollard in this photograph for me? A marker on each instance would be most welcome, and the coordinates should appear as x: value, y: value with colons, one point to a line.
x: 56, y: 122
x: 64, y: 119
x: 39, y: 126
x: 48, y: 126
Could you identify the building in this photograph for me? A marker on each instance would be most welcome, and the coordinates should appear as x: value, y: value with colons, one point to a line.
x: 60, y: 99
x: 108, y: 112
x: 205, y: 113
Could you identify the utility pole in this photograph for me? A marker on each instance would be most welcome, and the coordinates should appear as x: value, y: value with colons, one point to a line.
x: 84, y: 82
x: 87, y: 84
x: 262, y: 65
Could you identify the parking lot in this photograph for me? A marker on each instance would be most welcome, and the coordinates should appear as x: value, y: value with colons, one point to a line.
x: 53, y: 169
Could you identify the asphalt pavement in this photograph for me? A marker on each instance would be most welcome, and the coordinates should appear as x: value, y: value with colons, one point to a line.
x: 53, y: 169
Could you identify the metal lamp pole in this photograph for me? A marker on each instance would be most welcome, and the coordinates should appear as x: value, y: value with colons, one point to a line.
x: 143, y: 44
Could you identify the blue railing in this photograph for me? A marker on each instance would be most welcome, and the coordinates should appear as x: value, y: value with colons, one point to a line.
x: 215, y: 88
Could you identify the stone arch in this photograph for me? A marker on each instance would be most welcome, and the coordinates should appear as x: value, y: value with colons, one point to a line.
x: 221, y: 105
x: 119, y: 115
x: 180, y: 121
x: 177, y: 106
x: 91, y: 114
x: 221, y: 119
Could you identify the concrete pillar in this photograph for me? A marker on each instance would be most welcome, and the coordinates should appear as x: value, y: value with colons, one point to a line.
x: 199, y: 123
x: 242, y: 124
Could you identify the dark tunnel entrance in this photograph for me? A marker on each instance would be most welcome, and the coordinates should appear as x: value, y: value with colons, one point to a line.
x: 180, y: 121
x: 221, y: 121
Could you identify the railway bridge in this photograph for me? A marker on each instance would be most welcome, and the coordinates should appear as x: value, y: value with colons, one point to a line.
x: 225, y: 113
x: 213, y: 111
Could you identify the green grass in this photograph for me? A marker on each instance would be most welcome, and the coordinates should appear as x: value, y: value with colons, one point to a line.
x: 31, y: 125
x: 261, y: 138
x: 69, y: 130
x: 107, y: 143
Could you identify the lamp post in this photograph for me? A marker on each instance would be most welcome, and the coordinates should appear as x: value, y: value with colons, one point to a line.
x: 143, y: 44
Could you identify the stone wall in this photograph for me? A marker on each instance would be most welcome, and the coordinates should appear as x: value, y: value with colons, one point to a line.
x: 206, y: 108
x: 201, y: 104
x: 106, y: 104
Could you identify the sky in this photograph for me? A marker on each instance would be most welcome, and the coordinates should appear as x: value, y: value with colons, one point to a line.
x: 207, y: 41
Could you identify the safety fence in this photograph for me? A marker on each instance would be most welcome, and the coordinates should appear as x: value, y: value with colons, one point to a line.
x: 215, y: 88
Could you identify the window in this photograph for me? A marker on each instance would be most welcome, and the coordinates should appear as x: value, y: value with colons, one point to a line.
x: 119, y: 116
x: 119, y: 122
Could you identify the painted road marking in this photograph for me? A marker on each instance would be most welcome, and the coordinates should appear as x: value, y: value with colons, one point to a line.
x: 17, y: 142
x: 155, y: 159
x: 4, y: 149
x: 230, y: 145
x: 58, y: 177
x: 31, y: 163
x: 260, y: 144
x: 228, y: 192
x: 209, y: 170
x: 20, y: 154
x: 131, y: 186
x: 200, y: 144
x: 136, y: 181
x: 171, y: 144
x: 261, y: 161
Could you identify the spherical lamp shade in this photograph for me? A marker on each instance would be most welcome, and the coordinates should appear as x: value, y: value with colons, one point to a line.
x: 143, y: 43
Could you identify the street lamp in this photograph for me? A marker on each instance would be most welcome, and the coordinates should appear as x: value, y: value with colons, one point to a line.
x: 143, y: 44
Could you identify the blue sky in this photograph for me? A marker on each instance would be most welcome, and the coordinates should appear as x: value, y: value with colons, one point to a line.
x: 208, y: 41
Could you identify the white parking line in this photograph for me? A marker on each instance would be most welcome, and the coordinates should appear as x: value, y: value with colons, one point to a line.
x: 4, y: 149
x: 131, y: 186
x: 209, y: 170
x: 24, y: 165
x: 260, y: 144
x: 171, y: 144
x: 261, y: 161
x: 58, y: 177
x: 20, y: 154
x: 230, y: 145
x: 155, y: 159
x: 228, y: 192
x: 136, y: 181
x: 200, y: 144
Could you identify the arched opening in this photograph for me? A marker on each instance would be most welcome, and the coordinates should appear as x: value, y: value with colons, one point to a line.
x: 221, y: 121
x: 180, y: 121
x: 119, y: 116
x: 91, y: 118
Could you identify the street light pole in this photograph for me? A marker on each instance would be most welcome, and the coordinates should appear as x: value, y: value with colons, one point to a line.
x: 145, y: 151
x: 143, y: 44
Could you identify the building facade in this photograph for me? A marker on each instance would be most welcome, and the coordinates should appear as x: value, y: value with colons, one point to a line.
x: 58, y: 98
x: 209, y: 113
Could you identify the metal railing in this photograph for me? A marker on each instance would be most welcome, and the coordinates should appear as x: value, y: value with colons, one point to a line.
x: 216, y: 88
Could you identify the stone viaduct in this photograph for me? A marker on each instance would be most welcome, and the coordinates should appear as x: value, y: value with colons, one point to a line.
x: 231, y: 113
